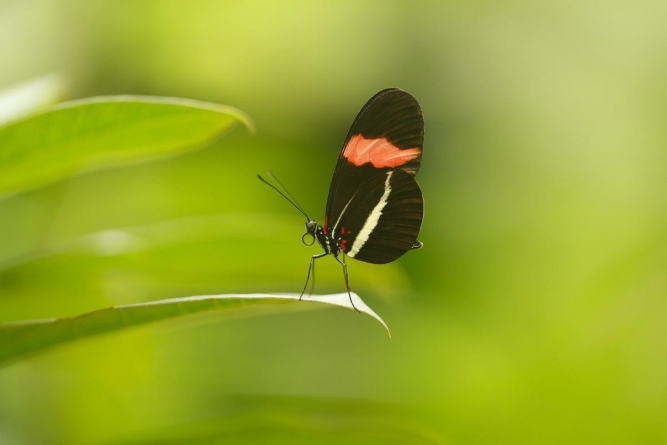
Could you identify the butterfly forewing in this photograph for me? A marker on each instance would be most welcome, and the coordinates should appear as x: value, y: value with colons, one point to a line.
x: 387, y: 134
x: 382, y: 220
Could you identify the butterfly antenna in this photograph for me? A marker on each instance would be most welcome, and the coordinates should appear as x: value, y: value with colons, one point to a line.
x: 285, y: 195
x: 275, y: 178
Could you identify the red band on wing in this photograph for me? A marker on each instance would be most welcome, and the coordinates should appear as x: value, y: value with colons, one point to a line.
x: 379, y: 152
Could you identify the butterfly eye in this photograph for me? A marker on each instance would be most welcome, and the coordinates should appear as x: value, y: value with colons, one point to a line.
x: 308, y: 239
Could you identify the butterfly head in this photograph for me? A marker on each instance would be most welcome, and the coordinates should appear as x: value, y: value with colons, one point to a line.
x: 310, y: 236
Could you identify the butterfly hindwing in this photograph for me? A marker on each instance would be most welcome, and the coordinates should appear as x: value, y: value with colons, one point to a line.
x: 382, y: 219
x: 387, y: 134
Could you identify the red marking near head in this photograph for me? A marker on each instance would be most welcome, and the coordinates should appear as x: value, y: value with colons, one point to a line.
x: 379, y: 152
x: 326, y: 223
x: 343, y: 245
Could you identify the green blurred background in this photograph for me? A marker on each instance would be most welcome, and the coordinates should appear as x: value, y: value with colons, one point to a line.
x: 534, y: 314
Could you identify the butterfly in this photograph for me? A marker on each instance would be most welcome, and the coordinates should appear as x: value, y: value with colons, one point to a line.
x: 375, y: 207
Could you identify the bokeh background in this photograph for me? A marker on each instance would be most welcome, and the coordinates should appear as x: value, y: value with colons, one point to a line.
x: 534, y: 314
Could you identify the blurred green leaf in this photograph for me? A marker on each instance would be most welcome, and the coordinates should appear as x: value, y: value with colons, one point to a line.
x: 21, y: 338
x: 198, y: 255
x: 21, y: 99
x: 276, y: 419
x: 105, y: 132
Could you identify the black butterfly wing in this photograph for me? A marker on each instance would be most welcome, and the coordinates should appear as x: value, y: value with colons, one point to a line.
x: 387, y: 134
x: 382, y: 219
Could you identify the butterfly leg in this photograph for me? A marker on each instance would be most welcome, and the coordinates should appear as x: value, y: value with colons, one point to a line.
x: 347, y: 283
x: 311, y: 267
x: 312, y: 283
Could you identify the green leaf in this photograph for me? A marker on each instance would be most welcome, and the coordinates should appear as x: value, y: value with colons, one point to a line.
x: 105, y: 132
x: 20, y: 338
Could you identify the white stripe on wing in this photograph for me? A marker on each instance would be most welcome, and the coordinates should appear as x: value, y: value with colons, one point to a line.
x: 372, y: 220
